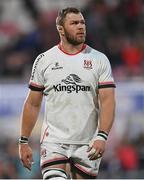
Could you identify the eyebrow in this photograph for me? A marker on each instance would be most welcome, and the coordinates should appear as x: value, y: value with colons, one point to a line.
x: 82, y: 20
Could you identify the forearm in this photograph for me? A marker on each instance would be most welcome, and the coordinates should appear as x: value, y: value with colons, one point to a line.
x: 107, y: 112
x: 97, y: 144
x: 29, y: 118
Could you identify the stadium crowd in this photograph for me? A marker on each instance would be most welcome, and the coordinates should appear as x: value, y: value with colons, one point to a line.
x: 114, y: 27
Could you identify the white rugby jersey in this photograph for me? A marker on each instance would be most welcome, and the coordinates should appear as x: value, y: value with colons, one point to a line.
x: 70, y: 83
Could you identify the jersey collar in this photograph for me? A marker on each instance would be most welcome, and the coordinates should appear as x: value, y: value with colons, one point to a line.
x: 83, y: 47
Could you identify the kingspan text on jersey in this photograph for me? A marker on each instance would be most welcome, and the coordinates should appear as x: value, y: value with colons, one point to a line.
x: 70, y: 88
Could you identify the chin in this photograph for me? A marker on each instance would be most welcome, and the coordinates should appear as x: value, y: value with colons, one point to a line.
x: 77, y: 41
x: 80, y: 40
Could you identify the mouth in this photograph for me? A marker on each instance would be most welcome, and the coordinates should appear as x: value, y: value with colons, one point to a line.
x: 81, y: 34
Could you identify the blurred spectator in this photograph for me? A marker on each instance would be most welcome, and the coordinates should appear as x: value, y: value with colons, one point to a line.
x: 132, y: 57
x: 15, y: 64
x: 114, y: 46
x: 139, y: 143
x: 127, y: 155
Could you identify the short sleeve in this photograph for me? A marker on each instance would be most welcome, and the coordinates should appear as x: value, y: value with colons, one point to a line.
x: 105, y: 74
x: 36, y: 80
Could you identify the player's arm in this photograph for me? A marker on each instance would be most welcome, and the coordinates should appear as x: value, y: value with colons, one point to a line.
x: 107, y: 108
x: 106, y: 94
x: 29, y: 117
x: 30, y: 112
x: 107, y: 111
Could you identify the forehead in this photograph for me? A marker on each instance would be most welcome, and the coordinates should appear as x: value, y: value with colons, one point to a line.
x: 74, y: 17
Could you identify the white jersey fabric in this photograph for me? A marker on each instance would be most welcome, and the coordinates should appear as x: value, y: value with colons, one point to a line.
x: 70, y: 84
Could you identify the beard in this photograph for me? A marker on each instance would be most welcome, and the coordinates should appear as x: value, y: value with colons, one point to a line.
x: 73, y: 39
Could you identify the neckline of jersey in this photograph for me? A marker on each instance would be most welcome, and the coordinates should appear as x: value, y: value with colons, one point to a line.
x: 60, y: 48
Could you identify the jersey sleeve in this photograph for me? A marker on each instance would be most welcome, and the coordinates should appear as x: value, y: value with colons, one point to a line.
x: 105, y: 74
x: 36, y: 80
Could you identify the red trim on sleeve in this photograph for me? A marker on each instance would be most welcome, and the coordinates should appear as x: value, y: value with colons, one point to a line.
x: 36, y: 87
x: 108, y: 84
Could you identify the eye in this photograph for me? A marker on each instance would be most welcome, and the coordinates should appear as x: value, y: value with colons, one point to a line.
x: 76, y: 22
x: 82, y: 22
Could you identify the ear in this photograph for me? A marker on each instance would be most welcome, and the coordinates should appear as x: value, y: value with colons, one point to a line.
x: 60, y: 29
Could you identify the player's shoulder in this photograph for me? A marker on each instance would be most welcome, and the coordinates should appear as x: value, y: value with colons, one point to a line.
x: 96, y: 53
x: 47, y: 52
x: 44, y: 55
x: 98, y: 56
x: 51, y: 51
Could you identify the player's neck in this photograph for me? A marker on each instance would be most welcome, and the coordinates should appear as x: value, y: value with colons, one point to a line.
x: 69, y: 48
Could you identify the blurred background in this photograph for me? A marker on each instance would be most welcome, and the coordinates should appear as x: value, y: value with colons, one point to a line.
x: 114, y: 27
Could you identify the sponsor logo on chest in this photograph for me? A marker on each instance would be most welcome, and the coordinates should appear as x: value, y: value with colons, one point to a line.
x: 72, y: 83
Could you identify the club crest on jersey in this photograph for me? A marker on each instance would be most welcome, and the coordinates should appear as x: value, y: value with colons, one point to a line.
x: 57, y: 66
x: 87, y: 64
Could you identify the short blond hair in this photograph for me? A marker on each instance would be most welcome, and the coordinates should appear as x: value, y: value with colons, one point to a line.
x: 62, y: 14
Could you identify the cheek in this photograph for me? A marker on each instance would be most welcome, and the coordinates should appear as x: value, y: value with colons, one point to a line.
x: 70, y: 32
